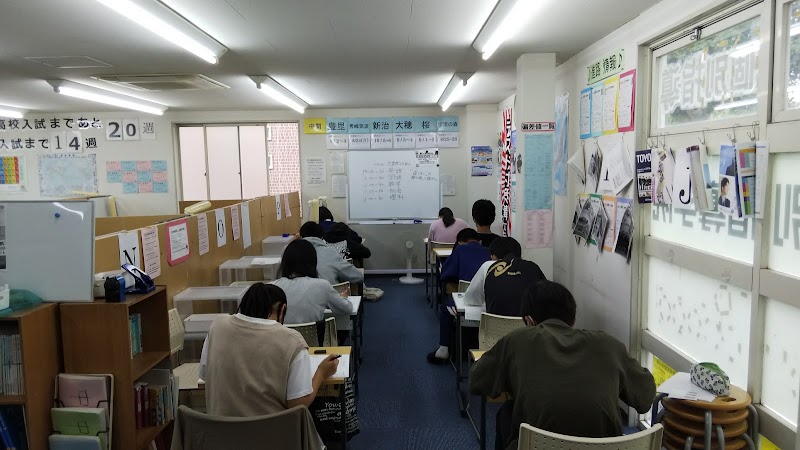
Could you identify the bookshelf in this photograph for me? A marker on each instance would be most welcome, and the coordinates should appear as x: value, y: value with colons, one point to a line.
x: 97, y: 339
x: 41, y: 362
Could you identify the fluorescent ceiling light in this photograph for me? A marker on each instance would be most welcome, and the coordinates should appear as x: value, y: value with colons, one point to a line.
x: 275, y: 91
x: 746, y: 49
x: 159, y: 19
x: 454, y: 89
x: 5, y: 111
x: 504, y: 22
x: 101, y: 96
x: 731, y: 105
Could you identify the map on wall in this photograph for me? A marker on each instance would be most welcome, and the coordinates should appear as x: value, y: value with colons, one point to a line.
x: 62, y: 175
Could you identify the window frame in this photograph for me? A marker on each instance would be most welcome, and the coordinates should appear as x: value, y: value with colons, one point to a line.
x: 710, y: 29
x: 780, y: 81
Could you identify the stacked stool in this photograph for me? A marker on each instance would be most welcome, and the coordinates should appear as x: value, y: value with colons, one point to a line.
x: 727, y: 423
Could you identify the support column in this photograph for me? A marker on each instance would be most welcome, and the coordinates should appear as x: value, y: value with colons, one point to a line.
x: 535, y: 102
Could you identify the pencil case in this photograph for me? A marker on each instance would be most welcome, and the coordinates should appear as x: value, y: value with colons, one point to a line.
x: 710, y: 377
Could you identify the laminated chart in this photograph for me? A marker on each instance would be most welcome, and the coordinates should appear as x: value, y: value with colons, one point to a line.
x: 62, y: 175
x: 12, y: 174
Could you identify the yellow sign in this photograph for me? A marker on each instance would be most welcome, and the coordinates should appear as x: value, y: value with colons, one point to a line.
x: 661, y: 371
x: 766, y: 444
x: 314, y: 126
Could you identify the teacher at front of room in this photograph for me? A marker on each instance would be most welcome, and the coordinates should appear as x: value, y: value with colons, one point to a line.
x: 445, y: 229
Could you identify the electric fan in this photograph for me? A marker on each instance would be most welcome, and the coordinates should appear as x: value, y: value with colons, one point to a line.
x: 409, y: 278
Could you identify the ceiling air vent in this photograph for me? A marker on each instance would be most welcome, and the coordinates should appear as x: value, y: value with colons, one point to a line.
x: 164, y: 82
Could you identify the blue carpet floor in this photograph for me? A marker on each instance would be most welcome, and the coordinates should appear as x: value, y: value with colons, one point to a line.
x: 404, y: 402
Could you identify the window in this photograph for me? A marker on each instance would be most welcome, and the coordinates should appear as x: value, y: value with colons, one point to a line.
x: 793, y: 69
x: 786, y: 83
x: 227, y: 162
x: 707, y: 319
x: 708, y: 79
x: 781, y: 372
x: 784, y: 251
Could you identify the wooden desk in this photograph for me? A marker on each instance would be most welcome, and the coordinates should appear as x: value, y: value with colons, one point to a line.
x: 236, y: 269
x: 337, y: 383
x: 476, y: 355
x: 354, y: 324
x: 467, y: 316
x: 440, y: 254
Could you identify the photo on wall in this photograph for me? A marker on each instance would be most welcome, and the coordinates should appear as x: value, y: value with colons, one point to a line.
x: 663, y: 165
x: 583, y: 225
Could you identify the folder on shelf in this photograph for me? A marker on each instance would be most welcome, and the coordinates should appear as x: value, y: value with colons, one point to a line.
x: 81, y: 422
x: 87, y: 391
x: 67, y: 442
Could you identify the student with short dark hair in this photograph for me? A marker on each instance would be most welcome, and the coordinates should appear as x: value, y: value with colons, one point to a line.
x: 561, y: 379
x: 307, y: 295
x: 483, y: 214
x: 326, y: 221
x: 446, y: 227
x: 467, y: 257
x: 503, y: 298
x: 253, y: 365
x: 500, y: 283
x: 330, y: 264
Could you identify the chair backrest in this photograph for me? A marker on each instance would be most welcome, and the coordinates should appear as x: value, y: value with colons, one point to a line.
x: 493, y: 327
x: 292, y: 428
x: 310, y: 332
x: 176, y: 331
x: 343, y: 289
x: 462, y: 286
x: 531, y: 438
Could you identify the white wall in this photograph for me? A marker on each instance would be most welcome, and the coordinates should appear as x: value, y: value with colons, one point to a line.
x: 602, y: 284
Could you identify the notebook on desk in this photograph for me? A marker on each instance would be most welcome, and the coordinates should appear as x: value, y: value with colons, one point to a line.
x: 342, y: 370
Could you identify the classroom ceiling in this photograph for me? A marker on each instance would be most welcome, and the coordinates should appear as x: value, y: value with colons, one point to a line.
x: 333, y: 54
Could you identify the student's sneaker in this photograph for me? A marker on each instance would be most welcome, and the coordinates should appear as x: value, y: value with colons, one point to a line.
x: 372, y: 294
x: 433, y: 359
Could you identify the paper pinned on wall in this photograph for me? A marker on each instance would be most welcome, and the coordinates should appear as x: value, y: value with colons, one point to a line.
x: 626, y: 102
x: 597, y: 109
x: 618, y: 172
x: 610, y: 207
x: 237, y: 232
x: 129, y: 248
x: 178, y: 240
x: 151, y: 254
x: 221, y: 228
x: 337, y: 163
x: 247, y: 238
x: 538, y: 170
x: 682, y: 180
x: 585, y: 113
x: 278, y: 207
x: 762, y: 164
x: 287, y: 210
x: 578, y: 164
x: 202, y: 233
x: 315, y: 171
x: 12, y: 169
x: 448, y: 184
x: 539, y: 228
x: 610, y: 90
x: 338, y: 186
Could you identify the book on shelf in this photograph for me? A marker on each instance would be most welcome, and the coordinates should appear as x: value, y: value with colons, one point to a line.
x: 67, y: 442
x: 13, y: 433
x: 155, y: 398
x: 12, y: 381
x: 135, y: 323
x: 81, y: 422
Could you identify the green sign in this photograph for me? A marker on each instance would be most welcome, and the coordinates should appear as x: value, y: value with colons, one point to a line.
x: 611, y: 64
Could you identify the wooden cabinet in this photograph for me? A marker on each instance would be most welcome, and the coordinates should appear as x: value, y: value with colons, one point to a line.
x: 96, y: 338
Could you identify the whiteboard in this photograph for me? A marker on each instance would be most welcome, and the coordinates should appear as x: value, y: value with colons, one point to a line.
x: 49, y: 248
x: 393, y: 184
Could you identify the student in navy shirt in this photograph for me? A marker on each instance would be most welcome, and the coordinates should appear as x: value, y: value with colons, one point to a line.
x: 467, y: 257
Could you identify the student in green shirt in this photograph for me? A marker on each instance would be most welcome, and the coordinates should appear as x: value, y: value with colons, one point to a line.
x: 561, y: 379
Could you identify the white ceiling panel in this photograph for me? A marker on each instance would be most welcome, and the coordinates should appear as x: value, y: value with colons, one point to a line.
x: 333, y: 54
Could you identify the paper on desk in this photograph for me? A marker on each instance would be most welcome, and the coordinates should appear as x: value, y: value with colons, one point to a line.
x: 472, y: 313
x: 342, y: 370
x: 266, y: 261
x: 680, y: 387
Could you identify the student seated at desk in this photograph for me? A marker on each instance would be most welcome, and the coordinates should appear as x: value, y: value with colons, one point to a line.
x: 501, y: 253
x: 326, y: 221
x: 500, y: 283
x: 253, y: 365
x: 483, y: 214
x: 330, y: 264
x: 445, y: 229
x: 307, y: 295
x: 467, y: 257
x: 339, y: 237
x: 561, y: 379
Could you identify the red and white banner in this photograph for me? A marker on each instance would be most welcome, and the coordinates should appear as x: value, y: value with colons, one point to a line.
x: 505, y: 170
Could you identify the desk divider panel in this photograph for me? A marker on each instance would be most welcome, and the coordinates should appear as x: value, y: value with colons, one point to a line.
x: 107, y: 225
